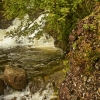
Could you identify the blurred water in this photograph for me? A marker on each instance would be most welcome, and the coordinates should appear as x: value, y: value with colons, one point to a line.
x: 38, y: 57
x: 47, y: 94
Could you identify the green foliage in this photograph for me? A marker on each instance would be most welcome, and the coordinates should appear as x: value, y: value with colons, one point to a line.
x: 86, y: 49
x: 85, y: 26
x: 18, y: 32
x: 63, y: 14
x: 1, y: 7
x: 14, y: 8
x: 89, y: 27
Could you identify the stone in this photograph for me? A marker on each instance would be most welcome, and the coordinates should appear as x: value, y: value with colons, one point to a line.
x: 15, y: 77
x: 2, y: 86
x: 36, y: 85
x: 82, y: 80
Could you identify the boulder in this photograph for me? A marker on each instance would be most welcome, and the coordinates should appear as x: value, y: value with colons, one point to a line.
x: 82, y: 80
x: 2, y: 86
x: 15, y: 77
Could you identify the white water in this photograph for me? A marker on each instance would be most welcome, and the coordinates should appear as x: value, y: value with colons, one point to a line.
x: 9, y: 42
x: 44, y: 41
x: 47, y: 94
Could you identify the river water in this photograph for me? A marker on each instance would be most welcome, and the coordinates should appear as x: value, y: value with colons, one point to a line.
x: 40, y: 58
x: 38, y: 63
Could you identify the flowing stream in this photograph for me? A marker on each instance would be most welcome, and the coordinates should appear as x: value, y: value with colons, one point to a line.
x: 39, y: 57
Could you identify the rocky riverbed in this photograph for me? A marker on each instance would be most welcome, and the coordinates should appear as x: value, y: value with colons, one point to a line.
x: 43, y: 67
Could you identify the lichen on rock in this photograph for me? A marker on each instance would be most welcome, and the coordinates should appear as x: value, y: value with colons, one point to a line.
x: 82, y: 82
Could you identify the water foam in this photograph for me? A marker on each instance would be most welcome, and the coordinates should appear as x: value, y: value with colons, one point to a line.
x: 46, y: 94
x: 44, y: 41
x: 6, y: 41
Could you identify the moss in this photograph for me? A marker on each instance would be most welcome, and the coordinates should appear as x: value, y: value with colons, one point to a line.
x: 86, y: 48
x: 89, y: 27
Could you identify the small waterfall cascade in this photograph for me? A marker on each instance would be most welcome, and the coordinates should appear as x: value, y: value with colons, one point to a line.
x: 24, y: 32
x: 39, y: 51
x: 46, y: 94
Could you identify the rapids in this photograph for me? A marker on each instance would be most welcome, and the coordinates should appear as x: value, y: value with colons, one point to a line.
x: 39, y: 57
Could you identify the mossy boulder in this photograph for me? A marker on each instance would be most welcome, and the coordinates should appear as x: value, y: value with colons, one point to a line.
x: 82, y: 81
x: 15, y: 77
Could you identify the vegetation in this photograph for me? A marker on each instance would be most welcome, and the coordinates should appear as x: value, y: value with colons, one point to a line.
x: 63, y: 14
x: 85, y: 53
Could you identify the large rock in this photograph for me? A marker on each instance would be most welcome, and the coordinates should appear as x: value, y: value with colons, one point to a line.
x: 15, y: 77
x: 2, y: 86
x: 82, y: 82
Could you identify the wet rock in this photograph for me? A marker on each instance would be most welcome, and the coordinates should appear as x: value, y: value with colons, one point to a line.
x: 36, y: 85
x: 2, y: 86
x: 14, y: 98
x: 56, y: 79
x: 15, y: 77
x: 54, y: 99
x: 23, y: 98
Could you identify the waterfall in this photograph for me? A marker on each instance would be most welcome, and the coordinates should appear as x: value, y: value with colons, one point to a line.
x: 29, y: 34
x: 15, y: 35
